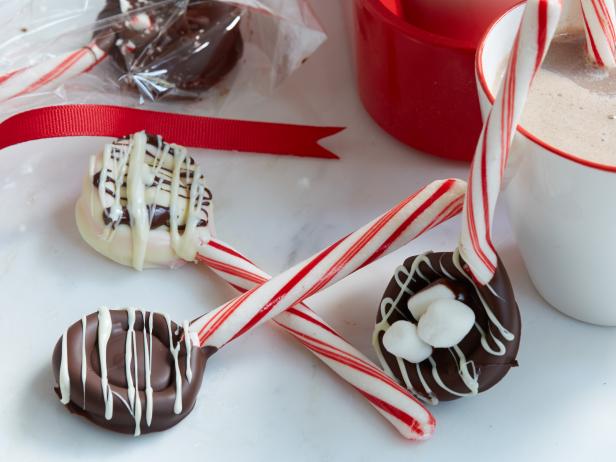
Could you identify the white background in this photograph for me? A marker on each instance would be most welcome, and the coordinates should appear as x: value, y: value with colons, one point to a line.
x: 265, y: 398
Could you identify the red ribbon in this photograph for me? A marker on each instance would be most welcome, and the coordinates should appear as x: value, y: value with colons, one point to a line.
x: 187, y: 130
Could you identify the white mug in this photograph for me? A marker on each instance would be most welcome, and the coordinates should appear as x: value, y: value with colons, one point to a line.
x: 562, y: 208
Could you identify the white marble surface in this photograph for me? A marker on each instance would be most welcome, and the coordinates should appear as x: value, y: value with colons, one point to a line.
x: 264, y: 398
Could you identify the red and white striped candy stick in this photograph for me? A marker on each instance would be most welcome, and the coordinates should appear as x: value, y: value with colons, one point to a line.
x: 394, y: 402
x: 407, y: 220
x: 534, y: 36
x: 52, y: 72
x: 418, y: 213
x: 600, y: 24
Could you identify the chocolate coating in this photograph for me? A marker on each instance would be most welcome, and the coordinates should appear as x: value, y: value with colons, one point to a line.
x: 491, y: 361
x: 188, y: 50
x: 86, y: 397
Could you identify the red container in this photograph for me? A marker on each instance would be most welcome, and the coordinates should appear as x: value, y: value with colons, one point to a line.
x: 417, y: 84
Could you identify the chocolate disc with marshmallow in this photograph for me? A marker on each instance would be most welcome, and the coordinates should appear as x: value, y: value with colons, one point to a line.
x: 442, y: 335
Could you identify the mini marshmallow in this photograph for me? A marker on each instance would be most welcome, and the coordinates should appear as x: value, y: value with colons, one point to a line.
x: 401, y: 340
x: 445, y: 323
x: 419, y: 303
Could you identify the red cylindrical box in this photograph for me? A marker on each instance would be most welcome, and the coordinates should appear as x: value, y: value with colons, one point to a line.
x: 420, y: 85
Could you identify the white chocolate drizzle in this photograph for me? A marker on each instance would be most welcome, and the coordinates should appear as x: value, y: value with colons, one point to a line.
x: 128, y: 352
x: 175, y: 350
x: 65, y: 380
x: 185, y: 245
x: 139, y: 178
x: 188, y: 345
x: 147, y: 364
x: 134, y: 402
x: 84, y: 364
x: 466, y: 368
x: 113, y: 171
x: 104, y: 332
x: 137, y: 208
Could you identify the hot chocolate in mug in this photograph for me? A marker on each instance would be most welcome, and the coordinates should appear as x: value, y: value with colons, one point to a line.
x: 561, y: 192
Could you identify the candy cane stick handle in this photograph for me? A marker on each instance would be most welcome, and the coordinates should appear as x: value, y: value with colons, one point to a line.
x: 600, y: 25
x: 404, y: 222
x: 52, y: 72
x: 536, y: 31
x: 392, y: 401
x: 395, y: 403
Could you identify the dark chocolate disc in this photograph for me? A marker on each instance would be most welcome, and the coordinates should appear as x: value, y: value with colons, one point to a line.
x: 482, y: 358
x: 156, y: 391
x: 166, y: 49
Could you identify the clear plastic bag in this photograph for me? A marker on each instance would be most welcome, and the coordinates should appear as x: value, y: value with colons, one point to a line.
x: 141, y: 51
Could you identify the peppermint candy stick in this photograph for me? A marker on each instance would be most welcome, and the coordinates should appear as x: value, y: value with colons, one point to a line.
x: 600, y: 25
x: 534, y: 36
x: 53, y: 72
x: 401, y: 224
x: 391, y: 400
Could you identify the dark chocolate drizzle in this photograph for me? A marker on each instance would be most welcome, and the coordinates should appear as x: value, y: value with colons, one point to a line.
x: 489, y: 368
